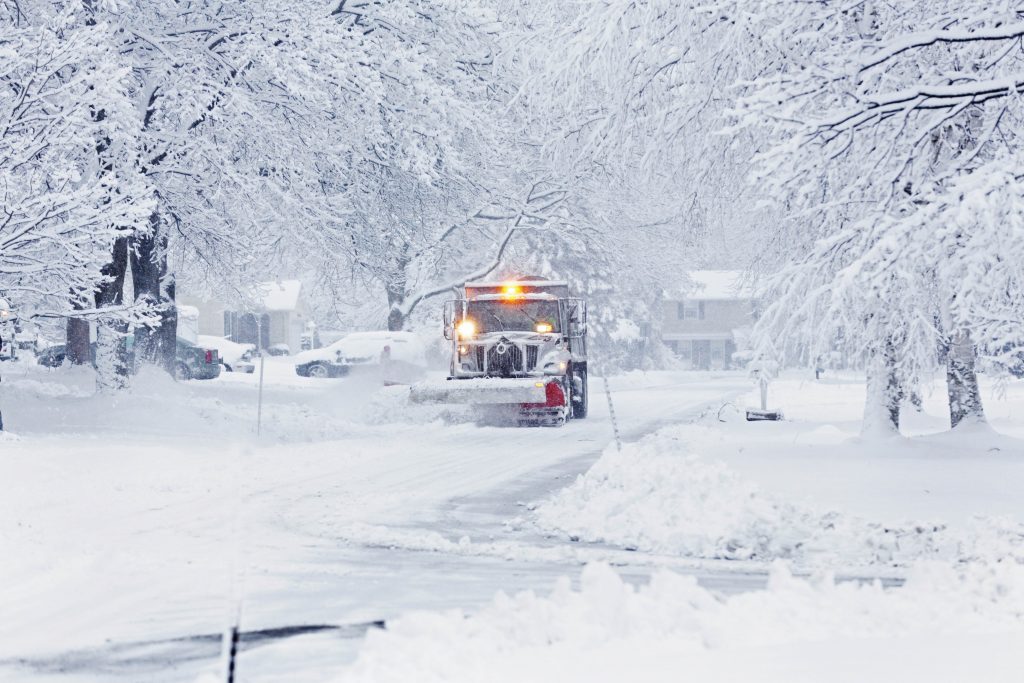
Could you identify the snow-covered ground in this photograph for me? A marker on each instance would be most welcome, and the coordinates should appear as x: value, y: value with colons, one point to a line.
x: 129, y: 526
x: 128, y: 523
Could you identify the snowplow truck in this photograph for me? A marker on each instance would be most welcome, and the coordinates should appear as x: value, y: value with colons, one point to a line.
x: 518, y: 349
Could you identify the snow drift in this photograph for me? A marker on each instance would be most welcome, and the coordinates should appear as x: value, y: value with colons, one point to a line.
x: 943, y: 624
x: 658, y: 496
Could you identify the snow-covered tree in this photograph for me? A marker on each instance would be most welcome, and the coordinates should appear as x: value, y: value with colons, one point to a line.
x: 628, y: 98
x: 877, y: 121
x: 441, y: 181
x: 69, y: 188
x: 228, y: 100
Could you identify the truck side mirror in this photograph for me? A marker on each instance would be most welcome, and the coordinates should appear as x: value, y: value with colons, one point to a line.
x: 449, y: 325
x: 577, y: 321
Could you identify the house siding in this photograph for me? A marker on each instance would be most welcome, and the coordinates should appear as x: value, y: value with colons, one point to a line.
x: 720, y: 318
x: 211, y: 315
x: 705, y: 342
x: 259, y: 327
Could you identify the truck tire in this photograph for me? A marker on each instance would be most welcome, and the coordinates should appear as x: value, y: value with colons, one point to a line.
x: 579, y: 399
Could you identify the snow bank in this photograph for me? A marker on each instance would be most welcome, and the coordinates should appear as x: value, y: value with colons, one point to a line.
x: 652, y: 497
x: 657, y: 496
x: 942, y: 624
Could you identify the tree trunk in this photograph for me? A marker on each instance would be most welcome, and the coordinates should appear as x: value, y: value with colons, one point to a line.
x: 884, y: 393
x: 77, y: 342
x: 962, y: 381
x: 155, y: 285
x: 396, y: 320
x: 77, y: 348
x: 111, y: 352
x: 396, y: 297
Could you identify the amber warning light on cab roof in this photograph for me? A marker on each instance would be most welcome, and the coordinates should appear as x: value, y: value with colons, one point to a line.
x: 513, y: 290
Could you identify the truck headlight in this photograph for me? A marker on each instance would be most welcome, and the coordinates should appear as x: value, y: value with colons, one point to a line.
x: 555, y: 368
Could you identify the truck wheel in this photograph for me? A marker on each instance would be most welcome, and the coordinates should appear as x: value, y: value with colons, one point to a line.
x: 579, y: 398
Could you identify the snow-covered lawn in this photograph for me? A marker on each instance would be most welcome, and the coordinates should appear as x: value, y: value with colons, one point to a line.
x: 809, y: 489
x: 940, y: 511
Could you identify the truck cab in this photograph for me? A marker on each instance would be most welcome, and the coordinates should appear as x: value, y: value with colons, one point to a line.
x: 523, y: 329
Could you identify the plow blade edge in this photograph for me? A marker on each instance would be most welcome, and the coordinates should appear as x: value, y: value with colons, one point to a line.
x: 482, y: 391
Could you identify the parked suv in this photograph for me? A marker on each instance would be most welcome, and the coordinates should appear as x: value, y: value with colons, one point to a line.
x: 192, y: 362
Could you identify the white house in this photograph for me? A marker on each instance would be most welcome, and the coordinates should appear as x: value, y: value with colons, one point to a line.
x: 709, y: 319
x: 279, y: 316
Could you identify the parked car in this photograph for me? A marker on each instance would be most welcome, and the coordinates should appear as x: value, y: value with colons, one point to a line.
x: 279, y: 350
x: 327, y: 361
x: 193, y: 362
x: 196, y: 362
x: 234, y: 357
x: 405, y: 356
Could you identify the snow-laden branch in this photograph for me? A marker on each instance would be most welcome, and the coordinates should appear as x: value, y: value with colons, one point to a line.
x: 914, y: 41
x: 536, y: 211
x: 877, y: 108
x: 409, y: 305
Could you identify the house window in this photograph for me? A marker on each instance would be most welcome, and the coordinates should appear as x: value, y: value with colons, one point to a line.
x: 691, y: 310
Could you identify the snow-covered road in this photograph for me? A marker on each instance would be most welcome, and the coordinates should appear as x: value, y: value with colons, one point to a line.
x: 124, y: 536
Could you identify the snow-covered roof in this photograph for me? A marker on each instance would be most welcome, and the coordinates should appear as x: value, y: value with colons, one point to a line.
x: 716, y: 285
x: 280, y: 295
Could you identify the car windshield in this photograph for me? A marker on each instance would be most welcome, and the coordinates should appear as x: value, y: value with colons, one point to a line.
x: 514, y: 316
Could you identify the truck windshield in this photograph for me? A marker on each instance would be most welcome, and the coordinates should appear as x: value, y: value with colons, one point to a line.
x: 514, y: 316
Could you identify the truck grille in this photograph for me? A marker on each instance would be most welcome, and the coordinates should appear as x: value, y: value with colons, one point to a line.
x: 531, y: 357
x: 504, y: 364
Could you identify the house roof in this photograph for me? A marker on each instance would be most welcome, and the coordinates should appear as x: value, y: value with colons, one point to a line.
x: 280, y: 295
x: 716, y: 285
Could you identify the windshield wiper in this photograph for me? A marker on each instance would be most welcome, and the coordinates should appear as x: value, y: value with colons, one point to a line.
x: 495, y: 316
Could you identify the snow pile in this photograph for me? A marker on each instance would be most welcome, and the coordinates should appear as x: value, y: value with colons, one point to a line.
x: 650, y: 497
x: 656, y: 497
x: 942, y: 624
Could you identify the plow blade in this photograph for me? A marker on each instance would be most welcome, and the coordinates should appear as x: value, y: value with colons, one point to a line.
x: 482, y: 391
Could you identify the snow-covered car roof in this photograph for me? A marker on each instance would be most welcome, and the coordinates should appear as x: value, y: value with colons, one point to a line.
x: 368, y: 346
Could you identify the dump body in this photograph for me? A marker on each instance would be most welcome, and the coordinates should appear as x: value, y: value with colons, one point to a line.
x: 521, y: 343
